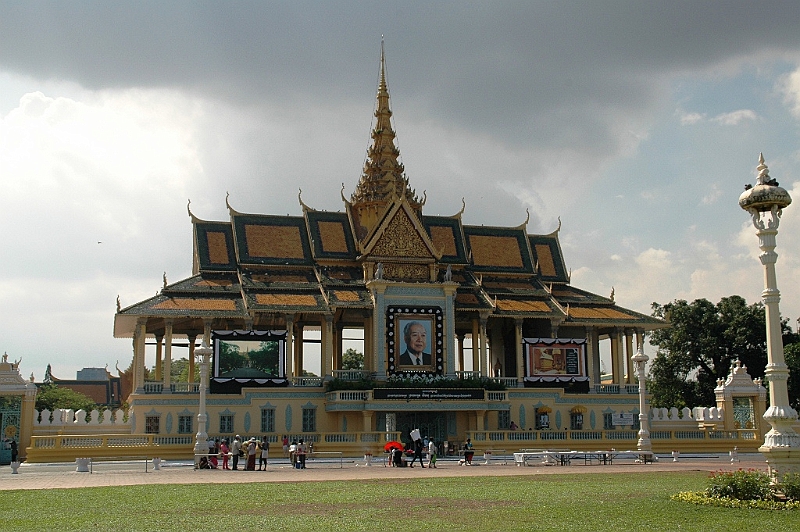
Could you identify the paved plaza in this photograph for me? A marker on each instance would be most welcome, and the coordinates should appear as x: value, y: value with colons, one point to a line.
x: 129, y: 473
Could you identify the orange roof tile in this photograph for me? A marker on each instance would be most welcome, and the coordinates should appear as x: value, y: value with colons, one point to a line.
x: 443, y: 240
x: 288, y: 300
x: 582, y: 312
x: 522, y: 306
x: 275, y: 241
x: 196, y: 304
x: 488, y: 250
x: 346, y: 295
x: 212, y: 282
x: 546, y: 265
x: 333, y: 237
x: 217, y: 247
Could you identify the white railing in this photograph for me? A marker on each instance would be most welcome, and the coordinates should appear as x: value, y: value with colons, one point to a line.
x: 310, y: 382
x: 496, y: 396
x: 351, y: 374
x: 185, y: 387
x: 64, y: 417
x: 468, y: 374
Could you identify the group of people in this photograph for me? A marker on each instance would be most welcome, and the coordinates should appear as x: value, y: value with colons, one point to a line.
x: 298, y: 451
x: 251, y: 449
x: 397, y: 457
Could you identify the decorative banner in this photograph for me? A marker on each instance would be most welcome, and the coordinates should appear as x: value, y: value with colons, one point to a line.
x: 415, y: 340
x: 249, y: 355
x: 428, y: 394
x: 555, y: 359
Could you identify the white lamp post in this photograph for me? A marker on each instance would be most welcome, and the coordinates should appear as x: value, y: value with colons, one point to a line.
x: 639, y: 361
x: 201, y: 438
x: 764, y: 202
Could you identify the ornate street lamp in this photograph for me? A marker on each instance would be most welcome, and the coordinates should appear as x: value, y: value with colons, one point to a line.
x: 203, y: 353
x: 639, y: 361
x: 765, y: 202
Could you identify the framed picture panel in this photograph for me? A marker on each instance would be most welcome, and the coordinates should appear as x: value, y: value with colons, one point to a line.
x: 415, y: 339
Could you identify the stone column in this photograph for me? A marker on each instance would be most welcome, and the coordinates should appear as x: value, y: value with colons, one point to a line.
x: 484, y: 356
x: 590, y: 357
x: 460, y: 340
x: 369, y: 350
x: 192, y: 339
x: 167, y: 380
x: 629, y: 353
x: 299, y: 345
x: 617, y: 360
x: 327, y: 340
x: 337, y: 345
x: 520, y: 352
x: 159, y: 345
x: 475, y: 340
x: 290, y: 350
x: 367, y: 421
x: 138, y: 355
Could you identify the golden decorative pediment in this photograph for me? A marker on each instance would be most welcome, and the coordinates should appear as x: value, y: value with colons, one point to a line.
x: 407, y: 272
x: 401, y: 239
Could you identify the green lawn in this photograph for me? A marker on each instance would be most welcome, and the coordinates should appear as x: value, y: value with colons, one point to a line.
x: 544, y: 502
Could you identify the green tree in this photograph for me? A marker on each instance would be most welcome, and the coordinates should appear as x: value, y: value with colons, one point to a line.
x: 265, y: 358
x: 792, y: 354
x: 50, y: 396
x: 352, y: 359
x: 703, y: 341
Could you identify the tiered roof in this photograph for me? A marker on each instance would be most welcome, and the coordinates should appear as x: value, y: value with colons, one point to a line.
x: 253, y: 270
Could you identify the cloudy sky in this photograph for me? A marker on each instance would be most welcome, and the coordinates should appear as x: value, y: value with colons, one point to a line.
x: 637, y: 123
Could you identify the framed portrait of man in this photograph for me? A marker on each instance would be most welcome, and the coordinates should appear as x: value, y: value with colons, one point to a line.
x: 415, y: 342
x: 415, y: 339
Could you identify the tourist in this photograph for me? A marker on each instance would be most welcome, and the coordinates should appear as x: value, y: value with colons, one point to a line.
x: 262, y: 461
x: 225, y: 452
x: 418, y: 453
x: 468, y: 452
x: 251, y: 455
x: 285, y: 445
x: 432, y: 453
x: 13, y: 450
x: 236, y: 450
x: 293, y: 453
x: 513, y: 426
x: 301, y: 453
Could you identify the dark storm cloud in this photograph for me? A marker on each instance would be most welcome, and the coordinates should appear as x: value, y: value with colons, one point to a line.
x: 514, y: 69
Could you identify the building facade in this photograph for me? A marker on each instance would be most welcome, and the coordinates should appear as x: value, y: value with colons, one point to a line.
x: 464, y: 328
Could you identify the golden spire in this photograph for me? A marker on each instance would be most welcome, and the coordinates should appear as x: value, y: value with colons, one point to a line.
x: 383, y: 177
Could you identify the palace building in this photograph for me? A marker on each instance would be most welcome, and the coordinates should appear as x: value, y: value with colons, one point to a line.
x: 502, y: 336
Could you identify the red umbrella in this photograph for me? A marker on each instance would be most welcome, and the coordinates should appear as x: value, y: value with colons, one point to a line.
x: 393, y: 445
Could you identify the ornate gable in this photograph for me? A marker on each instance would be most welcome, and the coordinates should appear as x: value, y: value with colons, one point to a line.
x: 401, y: 236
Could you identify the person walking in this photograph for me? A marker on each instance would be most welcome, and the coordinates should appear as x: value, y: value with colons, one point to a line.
x: 418, y: 453
x: 432, y: 454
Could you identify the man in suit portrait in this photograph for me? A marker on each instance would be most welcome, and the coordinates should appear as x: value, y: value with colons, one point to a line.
x: 416, y: 339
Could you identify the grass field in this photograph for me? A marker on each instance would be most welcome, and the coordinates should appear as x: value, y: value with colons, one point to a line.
x: 546, y: 502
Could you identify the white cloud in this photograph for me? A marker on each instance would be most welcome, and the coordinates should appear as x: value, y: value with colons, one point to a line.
x: 687, y: 119
x: 712, y: 196
x: 789, y: 85
x: 734, y: 118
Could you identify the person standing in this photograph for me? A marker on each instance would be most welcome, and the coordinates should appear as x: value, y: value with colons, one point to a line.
x: 225, y: 451
x: 301, y: 453
x: 469, y: 452
x: 236, y: 450
x: 251, y: 455
x: 432, y: 453
x: 285, y: 443
x: 262, y: 461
